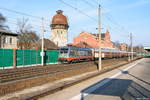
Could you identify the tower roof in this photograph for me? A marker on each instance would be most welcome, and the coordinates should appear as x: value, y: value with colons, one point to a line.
x: 59, y: 18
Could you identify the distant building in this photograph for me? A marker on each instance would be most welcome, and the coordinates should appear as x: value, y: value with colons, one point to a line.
x: 8, y: 40
x: 59, y: 29
x: 147, y: 48
x: 123, y: 46
x: 92, y: 40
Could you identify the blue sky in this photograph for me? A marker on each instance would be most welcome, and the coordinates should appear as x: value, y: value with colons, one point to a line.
x: 119, y: 16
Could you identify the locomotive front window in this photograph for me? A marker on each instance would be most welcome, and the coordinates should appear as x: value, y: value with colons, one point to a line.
x: 63, y: 52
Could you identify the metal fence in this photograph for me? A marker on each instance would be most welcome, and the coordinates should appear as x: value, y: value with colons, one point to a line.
x: 26, y: 57
x: 6, y: 57
x: 143, y: 54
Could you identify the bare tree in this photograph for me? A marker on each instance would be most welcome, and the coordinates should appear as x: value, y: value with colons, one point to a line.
x: 117, y: 44
x: 3, y: 27
x: 138, y: 48
x: 2, y: 23
x: 26, y: 36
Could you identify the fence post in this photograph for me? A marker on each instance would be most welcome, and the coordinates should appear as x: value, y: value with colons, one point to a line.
x: 14, y: 58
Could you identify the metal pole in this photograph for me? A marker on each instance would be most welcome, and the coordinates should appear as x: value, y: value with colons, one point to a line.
x: 99, y: 31
x: 131, y: 46
x: 128, y: 54
x: 42, y: 53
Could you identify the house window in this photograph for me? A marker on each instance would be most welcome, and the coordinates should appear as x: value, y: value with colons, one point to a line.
x: 4, y: 40
x: 10, y: 41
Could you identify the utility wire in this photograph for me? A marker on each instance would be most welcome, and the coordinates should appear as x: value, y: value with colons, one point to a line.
x: 96, y: 2
x: 21, y: 13
x: 15, y: 21
x: 116, y: 24
x: 80, y: 11
x: 108, y: 18
x: 33, y: 26
x: 85, y: 1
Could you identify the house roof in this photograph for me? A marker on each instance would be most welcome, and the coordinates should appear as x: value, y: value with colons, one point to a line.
x: 80, y: 45
x: 48, y: 44
x: 8, y: 33
x: 59, y: 18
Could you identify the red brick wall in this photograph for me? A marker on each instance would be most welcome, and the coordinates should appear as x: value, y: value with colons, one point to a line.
x: 92, y: 40
x: 87, y: 38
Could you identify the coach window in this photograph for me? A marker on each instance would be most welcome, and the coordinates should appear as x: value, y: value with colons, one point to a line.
x: 71, y: 53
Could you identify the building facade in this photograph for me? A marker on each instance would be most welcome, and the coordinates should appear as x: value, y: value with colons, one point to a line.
x: 59, y: 29
x: 123, y: 46
x: 8, y: 40
x: 92, y: 40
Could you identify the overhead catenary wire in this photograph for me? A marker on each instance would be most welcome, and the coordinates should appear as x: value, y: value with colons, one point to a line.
x: 14, y: 21
x: 25, y: 14
x: 108, y: 17
x: 118, y: 26
x: 80, y: 11
x: 96, y: 1
x: 39, y: 18
x: 33, y: 26
x: 21, y: 13
x: 35, y: 23
x: 33, y: 20
x: 75, y: 8
x: 88, y: 3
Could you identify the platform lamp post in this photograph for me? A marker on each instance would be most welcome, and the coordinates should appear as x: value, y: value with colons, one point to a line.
x: 99, y: 31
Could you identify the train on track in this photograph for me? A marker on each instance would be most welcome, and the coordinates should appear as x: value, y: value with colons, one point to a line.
x: 69, y: 54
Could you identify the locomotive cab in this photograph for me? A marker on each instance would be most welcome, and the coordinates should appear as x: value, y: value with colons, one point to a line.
x: 63, y: 54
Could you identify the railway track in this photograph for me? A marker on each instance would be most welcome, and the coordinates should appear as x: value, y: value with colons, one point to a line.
x: 35, y: 71
x: 23, y: 73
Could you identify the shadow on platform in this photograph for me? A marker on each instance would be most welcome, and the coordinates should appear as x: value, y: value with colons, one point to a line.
x: 147, y: 57
x: 122, y: 88
x: 126, y: 72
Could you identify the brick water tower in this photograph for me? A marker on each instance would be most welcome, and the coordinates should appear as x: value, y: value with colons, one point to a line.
x: 59, y: 29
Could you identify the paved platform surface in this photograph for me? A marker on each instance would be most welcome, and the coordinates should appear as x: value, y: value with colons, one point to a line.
x: 129, y: 82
